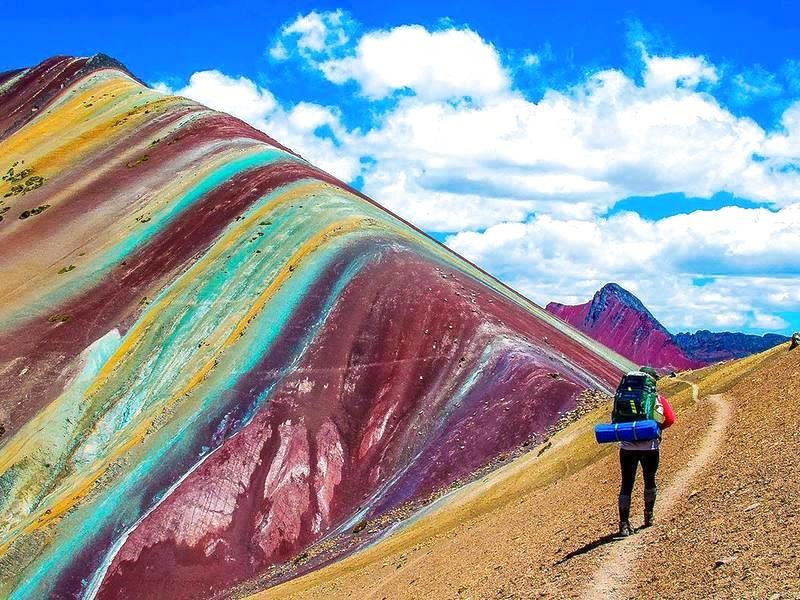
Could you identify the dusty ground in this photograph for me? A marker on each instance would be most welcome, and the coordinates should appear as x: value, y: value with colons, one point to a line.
x: 728, y: 518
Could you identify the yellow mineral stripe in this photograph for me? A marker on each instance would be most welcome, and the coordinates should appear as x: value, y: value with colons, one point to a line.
x: 79, y: 131
x: 220, y: 248
x: 134, y: 335
x: 73, y: 119
x: 71, y: 146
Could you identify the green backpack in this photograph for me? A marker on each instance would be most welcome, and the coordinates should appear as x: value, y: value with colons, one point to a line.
x: 635, y: 399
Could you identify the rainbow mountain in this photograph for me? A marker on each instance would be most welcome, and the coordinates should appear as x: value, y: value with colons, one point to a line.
x: 216, y: 357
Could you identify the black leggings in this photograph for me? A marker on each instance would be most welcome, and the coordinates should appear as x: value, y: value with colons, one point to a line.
x: 628, y: 463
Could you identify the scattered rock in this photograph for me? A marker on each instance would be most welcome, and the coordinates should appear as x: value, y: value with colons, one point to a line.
x: 360, y: 527
x: 34, y: 211
x: 58, y: 318
x: 725, y: 560
x: 137, y: 162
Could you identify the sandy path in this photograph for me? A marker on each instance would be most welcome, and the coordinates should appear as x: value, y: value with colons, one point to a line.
x: 612, y: 574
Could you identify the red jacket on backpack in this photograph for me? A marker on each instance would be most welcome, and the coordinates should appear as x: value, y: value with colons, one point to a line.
x: 669, y: 414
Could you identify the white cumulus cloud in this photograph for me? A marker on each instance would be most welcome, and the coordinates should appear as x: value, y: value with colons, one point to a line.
x: 237, y: 96
x: 431, y: 64
x: 313, y: 35
x: 297, y: 126
x: 749, y: 253
x: 773, y: 322
x: 684, y: 71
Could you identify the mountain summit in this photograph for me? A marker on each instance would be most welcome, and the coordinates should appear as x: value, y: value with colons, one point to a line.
x: 618, y: 319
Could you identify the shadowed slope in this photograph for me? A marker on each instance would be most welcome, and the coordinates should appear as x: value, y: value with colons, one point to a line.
x: 214, y: 355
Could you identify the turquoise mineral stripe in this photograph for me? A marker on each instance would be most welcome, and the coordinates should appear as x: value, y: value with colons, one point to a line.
x: 208, y: 300
x: 344, y: 280
x: 93, y: 359
x: 215, y: 179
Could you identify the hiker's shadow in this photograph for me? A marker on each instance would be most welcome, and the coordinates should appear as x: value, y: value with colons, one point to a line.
x: 601, y: 541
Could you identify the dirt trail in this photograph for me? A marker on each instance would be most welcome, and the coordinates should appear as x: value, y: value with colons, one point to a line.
x: 613, y: 572
x: 388, y: 585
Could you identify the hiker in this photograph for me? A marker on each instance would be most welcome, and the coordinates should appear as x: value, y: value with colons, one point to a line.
x: 645, y: 452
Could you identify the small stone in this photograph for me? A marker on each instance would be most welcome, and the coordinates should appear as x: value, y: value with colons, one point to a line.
x: 725, y: 560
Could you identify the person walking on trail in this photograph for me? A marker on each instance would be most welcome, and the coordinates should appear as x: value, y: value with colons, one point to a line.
x: 646, y: 452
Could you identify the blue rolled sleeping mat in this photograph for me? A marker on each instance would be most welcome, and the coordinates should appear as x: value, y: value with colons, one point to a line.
x: 632, y: 431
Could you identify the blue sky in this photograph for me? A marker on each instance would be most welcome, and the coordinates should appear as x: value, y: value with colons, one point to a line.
x: 559, y: 145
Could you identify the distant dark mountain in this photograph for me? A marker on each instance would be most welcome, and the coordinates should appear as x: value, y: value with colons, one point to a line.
x: 712, y: 346
x: 618, y: 319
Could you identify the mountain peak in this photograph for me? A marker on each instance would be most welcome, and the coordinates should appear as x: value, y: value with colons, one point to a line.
x: 617, y: 291
x: 104, y: 61
x: 614, y: 292
x: 620, y: 292
x: 618, y: 319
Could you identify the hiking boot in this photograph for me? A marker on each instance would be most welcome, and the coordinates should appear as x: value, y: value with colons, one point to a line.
x: 649, y: 506
x: 649, y: 519
x: 625, y: 528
